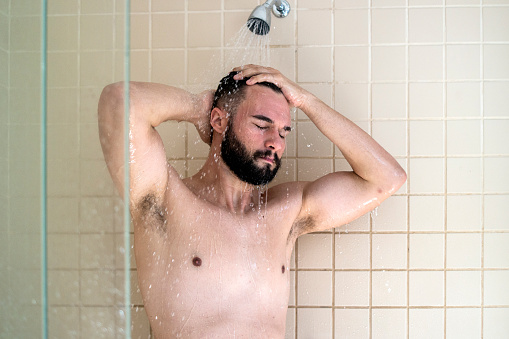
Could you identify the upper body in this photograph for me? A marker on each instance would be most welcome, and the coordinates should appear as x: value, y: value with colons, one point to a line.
x: 213, y: 250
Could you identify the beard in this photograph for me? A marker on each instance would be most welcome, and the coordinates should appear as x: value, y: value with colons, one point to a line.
x: 236, y: 156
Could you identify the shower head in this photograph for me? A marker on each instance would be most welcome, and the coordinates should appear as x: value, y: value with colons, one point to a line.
x: 259, y: 20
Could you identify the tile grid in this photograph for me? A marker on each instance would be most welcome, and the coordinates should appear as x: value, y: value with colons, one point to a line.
x: 481, y: 75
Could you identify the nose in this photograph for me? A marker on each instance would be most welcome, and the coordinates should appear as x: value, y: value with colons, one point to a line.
x: 275, y: 142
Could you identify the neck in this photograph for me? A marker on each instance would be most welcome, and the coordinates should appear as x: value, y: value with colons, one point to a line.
x: 224, y: 188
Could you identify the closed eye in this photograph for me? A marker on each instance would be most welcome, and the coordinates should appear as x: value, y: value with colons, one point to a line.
x: 261, y: 127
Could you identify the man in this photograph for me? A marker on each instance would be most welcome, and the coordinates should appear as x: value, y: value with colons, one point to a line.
x: 213, y: 250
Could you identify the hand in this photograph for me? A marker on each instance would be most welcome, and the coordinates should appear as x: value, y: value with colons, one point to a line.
x: 295, y: 95
x: 202, y: 123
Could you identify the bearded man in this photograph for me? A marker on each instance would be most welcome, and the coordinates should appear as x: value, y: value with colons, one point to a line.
x: 213, y: 250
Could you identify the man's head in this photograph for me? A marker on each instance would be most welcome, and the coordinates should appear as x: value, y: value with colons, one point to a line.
x: 258, y: 121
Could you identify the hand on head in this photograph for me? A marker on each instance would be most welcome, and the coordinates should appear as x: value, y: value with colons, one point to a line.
x: 295, y: 94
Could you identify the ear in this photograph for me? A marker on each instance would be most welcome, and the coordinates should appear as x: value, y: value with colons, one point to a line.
x: 219, y: 120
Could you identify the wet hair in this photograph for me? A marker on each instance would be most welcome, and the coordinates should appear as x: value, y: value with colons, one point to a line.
x: 230, y: 93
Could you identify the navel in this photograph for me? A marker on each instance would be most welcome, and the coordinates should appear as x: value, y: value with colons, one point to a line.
x: 197, y: 261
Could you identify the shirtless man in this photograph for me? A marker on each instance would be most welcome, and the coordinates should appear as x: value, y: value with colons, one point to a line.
x: 213, y: 250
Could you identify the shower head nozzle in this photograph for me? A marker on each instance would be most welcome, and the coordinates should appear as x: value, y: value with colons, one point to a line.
x: 259, y: 20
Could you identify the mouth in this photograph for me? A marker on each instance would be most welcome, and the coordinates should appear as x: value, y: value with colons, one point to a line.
x: 269, y: 160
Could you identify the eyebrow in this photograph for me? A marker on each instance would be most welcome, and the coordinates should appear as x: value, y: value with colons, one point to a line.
x: 269, y: 120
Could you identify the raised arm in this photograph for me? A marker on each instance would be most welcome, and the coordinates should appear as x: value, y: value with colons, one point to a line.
x: 150, y: 105
x: 337, y: 198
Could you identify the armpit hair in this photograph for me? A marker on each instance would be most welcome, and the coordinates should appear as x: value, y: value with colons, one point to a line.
x: 301, y: 226
x: 151, y: 212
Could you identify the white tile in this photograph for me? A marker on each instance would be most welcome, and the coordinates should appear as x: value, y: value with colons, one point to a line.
x: 495, y: 24
x: 351, y: 26
x: 463, y: 175
x: 315, y: 251
x: 495, y: 214
x: 495, y: 170
x: 425, y: 25
x: 351, y: 64
x: 463, y: 288
x: 426, y: 100
x: 463, y: 250
x: 314, y: 27
x: 427, y: 138
x: 314, y: 323
x: 463, y: 137
x: 496, y: 100
x: 388, y: 63
x: 426, y: 63
x: 352, y: 288
x: 352, y: 101
x: 352, y: 251
x: 495, y: 323
x: 463, y: 323
x: 389, y: 251
x: 495, y: 288
x: 420, y: 219
x: 388, y: 26
x: 496, y: 138
x: 463, y: 62
x: 426, y: 251
x: 420, y: 323
x: 464, y: 213
x: 391, y: 135
x: 463, y: 24
x: 426, y: 175
x: 315, y: 288
x: 495, y: 65
x: 311, y: 142
x: 391, y: 215
x: 385, y: 329
x: 389, y: 101
x: 426, y: 288
x: 463, y: 99
x: 351, y: 323
x: 389, y: 288
x: 496, y: 250
x: 314, y: 64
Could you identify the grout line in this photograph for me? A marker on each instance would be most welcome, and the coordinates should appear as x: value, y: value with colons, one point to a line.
x: 407, y: 103
x: 370, y: 132
x: 445, y: 152
x: 481, y: 101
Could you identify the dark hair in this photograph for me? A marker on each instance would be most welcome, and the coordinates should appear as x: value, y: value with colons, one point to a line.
x: 230, y: 93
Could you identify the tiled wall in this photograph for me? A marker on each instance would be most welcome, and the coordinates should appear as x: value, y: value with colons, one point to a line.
x: 427, y: 78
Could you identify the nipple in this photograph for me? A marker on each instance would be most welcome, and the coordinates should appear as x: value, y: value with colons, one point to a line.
x: 197, y: 261
x: 283, y: 269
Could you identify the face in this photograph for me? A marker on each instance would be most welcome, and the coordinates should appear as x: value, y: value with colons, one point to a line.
x: 255, y: 139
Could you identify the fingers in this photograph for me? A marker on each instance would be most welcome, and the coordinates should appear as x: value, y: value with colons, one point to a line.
x: 258, y: 74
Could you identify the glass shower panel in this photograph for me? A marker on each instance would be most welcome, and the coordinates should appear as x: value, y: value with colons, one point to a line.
x: 21, y: 283
x: 86, y: 273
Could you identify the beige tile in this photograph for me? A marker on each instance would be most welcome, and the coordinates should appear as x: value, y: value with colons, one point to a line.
x: 463, y: 24
x: 96, y: 68
x: 173, y: 136
x: 425, y: 25
x: 199, y: 66
x: 97, y: 251
x: 463, y: 250
x: 496, y: 140
x: 139, y: 66
x: 139, y: 31
x: 97, y: 214
x: 389, y: 251
x: 204, y: 5
x: 139, y: 6
x: 315, y: 251
x: 63, y: 214
x: 426, y: 288
x: 496, y: 251
x: 89, y: 25
x: 140, y: 327
x: 240, y: 4
x: 419, y: 320
x: 351, y: 3
x: 168, y: 30
x: 314, y: 322
x: 312, y: 169
x: 463, y: 99
x: 314, y: 27
x: 495, y: 217
x: 94, y: 180
x: 315, y: 3
x: 463, y: 288
x: 463, y: 62
x: 495, y: 66
x: 315, y: 288
x: 389, y: 101
x: 63, y: 69
x: 97, y: 322
x: 396, y: 328
x: 351, y: 100
x: 426, y: 138
x: 282, y: 31
x: 204, y: 29
x: 62, y: 105
x: 63, y: 178
x: 63, y: 7
x: 426, y: 100
x: 463, y: 322
x: 352, y: 288
x: 388, y: 3
x: 25, y: 33
x: 90, y: 145
x: 351, y: 323
x: 391, y: 135
x: 496, y: 101
x: 63, y: 287
x: 164, y: 6
x: 322, y: 91
x: 88, y: 99
x: 359, y: 224
x: 63, y: 251
x: 426, y: 175
x: 63, y: 321
x: 463, y: 137
x: 391, y: 215
x: 388, y: 26
x: 351, y: 64
x: 311, y: 142
x: 464, y: 175
x: 135, y: 293
x: 494, y: 323
x: 495, y: 288
x: 464, y: 213
x: 120, y: 252
x: 351, y: 26
x: 388, y: 63
x: 168, y: 67
x: 426, y: 251
x: 290, y: 324
x: 62, y: 33
x: 426, y: 63
x: 495, y: 24
x: 96, y: 7
x: 352, y: 251
x: 389, y: 288
x: 314, y: 64
x: 233, y: 27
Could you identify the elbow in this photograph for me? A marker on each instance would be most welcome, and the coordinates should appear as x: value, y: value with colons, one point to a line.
x: 397, y: 180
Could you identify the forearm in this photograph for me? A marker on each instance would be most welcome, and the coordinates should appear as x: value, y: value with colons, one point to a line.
x: 367, y: 158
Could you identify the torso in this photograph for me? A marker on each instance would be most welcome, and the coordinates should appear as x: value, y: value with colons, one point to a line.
x: 205, y: 272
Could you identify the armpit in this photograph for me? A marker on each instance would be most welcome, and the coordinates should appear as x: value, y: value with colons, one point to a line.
x: 301, y: 226
x: 150, y: 212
